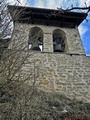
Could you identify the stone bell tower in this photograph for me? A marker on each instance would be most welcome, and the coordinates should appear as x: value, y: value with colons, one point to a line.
x: 52, y: 40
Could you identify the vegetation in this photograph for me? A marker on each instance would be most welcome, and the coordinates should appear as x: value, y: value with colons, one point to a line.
x: 41, y: 106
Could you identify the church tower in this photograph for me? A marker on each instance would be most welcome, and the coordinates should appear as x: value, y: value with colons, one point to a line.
x: 56, y: 58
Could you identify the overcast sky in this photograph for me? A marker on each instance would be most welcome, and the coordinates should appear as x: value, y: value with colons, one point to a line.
x: 84, y: 28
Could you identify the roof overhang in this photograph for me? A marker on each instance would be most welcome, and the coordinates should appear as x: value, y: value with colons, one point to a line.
x: 43, y: 16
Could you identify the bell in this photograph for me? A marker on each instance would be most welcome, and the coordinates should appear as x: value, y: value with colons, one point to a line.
x: 58, y: 48
x: 58, y: 44
x: 35, y: 45
x: 35, y: 48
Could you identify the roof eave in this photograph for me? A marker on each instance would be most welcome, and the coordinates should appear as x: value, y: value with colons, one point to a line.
x: 50, y: 16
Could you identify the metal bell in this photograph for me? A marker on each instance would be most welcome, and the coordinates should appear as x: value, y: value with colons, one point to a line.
x: 58, y: 48
x: 35, y: 45
x: 36, y: 48
x: 58, y: 44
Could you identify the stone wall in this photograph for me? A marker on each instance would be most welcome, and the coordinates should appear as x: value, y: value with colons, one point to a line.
x: 67, y: 73
x: 63, y: 73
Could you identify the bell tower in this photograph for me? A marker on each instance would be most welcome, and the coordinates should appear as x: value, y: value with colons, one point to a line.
x: 52, y: 30
x: 52, y: 38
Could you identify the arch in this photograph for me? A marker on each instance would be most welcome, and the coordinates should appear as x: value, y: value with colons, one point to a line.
x: 36, y: 39
x: 59, y: 39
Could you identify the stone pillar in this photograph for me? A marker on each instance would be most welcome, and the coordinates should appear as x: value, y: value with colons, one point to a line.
x: 47, y: 42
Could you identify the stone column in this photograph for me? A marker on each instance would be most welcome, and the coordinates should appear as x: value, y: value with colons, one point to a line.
x: 48, y: 42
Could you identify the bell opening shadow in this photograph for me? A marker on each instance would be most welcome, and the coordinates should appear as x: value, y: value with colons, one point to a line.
x: 35, y: 39
x: 58, y: 41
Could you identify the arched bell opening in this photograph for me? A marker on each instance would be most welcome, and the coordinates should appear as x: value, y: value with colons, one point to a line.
x: 59, y: 41
x: 36, y: 39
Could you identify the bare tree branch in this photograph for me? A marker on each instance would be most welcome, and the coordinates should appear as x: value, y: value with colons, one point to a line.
x: 75, y: 8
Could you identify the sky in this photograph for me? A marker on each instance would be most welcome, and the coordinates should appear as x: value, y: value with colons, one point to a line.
x: 84, y: 27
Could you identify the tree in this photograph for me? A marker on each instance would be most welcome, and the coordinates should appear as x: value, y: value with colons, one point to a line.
x: 14, y: 92
x: 5, y: 20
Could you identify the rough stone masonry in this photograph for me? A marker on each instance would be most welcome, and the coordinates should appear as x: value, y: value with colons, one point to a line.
x: 67, y: 72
